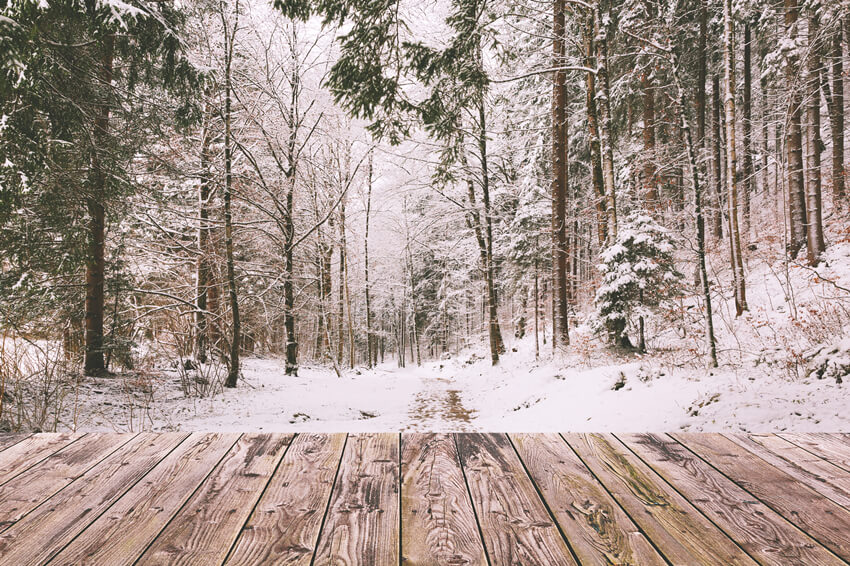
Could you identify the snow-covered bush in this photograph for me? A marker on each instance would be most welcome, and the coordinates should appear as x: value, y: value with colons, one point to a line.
x: 831, y: 361
x: 638, y: 274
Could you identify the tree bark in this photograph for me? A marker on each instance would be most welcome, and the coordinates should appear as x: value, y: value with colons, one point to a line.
x: 732, y: 163
x: 236, y: 330
x: 96, y: 204
x: 814, y: 238
x: 370, y: 360
x: 794, y: 141
x: 700, y: 220
x: 717, y: 161
x: 593, y: 135
x: 702, y: 73
x: 836, y: 121
x: 560, y: 179
x: 203, y: 266
x: 747, y: 127
x: 650, y: 181
x: 497, y: 345
x: 604, y: 99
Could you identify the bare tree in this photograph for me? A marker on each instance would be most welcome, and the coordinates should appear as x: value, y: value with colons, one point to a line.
x: 732, y: 163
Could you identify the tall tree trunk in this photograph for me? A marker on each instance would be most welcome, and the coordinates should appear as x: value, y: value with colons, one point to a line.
x: 794, y: 140
x: 497, y: 345
x: 536, y: 305
x: 560, y: 179
x: 650, y: 181
x: 836, y: 120
x: 340, y: 347
x: 593, y: 135
x: 700, y: 220
x: 236, y: 337
x: 814, y: 238
x: 203, y: 265
x: 702, y: 74
x: 732, y: 162
x: 604, y: 105
x: 717, y: 161
x: 96, y: 203
x: 289, y: 280
x: 748, y: 174
x: 370, y: 360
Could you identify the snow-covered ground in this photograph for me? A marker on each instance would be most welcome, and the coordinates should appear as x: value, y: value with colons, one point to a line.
x: 466, y: 394
x: 797, y: 323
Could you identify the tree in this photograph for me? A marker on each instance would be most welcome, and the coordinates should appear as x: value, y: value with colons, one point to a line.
x: 738, y: 280
x: 638, y: 273
x: 236, y: 328
x: 73, y: 97
x: 815, y: 244
x: 794, y: 137
x: 560, y: 179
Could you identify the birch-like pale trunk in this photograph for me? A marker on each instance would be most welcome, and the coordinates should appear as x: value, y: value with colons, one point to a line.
x: 731, y: 160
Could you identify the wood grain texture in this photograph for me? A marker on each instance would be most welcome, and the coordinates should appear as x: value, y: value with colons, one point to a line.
x: 599, y: 531
x: 834, y: 448
x: 284, y: 527
x: 55, y: 523
x: 821, y: 518
x: 28, y: 490
x: 362, y: 525
x: 30, y: 451
x: 439, y: 524
x: 204, y: 530
x: 122, y: 534
x: 517, y: 528
x: 8, y: 439
x: 824, y: 477
x: 760, y: 531
x: 676, y: 527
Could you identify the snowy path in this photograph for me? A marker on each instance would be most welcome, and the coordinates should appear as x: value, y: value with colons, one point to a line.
x: 466, y: 394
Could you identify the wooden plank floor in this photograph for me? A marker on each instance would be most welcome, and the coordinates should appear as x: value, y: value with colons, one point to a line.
x: 424, y: 499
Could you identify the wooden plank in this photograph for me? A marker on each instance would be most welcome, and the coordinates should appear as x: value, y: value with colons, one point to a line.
x: 204, y: 530
x: 438, y: 523
x: 673, y: 524
x: 821, y: 518
x: 362, y: 526
x: 829, y: 447
x: 760, y: 531
x: 824, y: 477
x: 515, y: 523
x: 8, y: 439
x: 284, y: 527
x: 28, y: 490
x: 30, y: 451
x: 122, y: 534
x: 47, y: 529
x: 599, y: 531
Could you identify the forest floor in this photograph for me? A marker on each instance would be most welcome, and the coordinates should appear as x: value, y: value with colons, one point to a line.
x: 765, y: 382
x: 465, y: 394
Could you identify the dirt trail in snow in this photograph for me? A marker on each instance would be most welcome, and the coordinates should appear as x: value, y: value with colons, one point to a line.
x: 437, y: 404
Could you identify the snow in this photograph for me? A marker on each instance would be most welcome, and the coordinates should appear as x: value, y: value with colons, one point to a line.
x: 768, y: 379
x: 554, y: 393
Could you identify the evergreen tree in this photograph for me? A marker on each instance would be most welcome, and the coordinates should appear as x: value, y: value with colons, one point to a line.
x: 639, y: 273
x: 80, y: 93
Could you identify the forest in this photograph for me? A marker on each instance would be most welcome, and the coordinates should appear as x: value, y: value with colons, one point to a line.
x: 448, y: 213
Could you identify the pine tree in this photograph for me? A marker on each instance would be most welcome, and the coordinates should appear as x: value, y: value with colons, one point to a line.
x: 638, y: 273
x: 75, y: 120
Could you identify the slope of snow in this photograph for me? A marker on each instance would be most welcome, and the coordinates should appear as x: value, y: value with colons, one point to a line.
x: 466, y: 393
